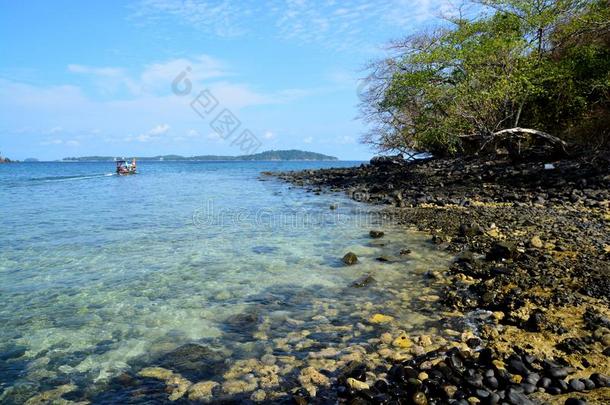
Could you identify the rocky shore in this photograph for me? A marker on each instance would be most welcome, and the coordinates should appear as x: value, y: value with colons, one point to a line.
x: 531, y: 278
x: 520, y: 315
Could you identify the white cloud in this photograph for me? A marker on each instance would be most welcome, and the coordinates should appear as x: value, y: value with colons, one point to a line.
x: 346, y: 139
x: 268, y: 135
x: 154, y: 78
x: 193, y: 133
x: 68, y: 110
x: 52, y: 142
x: 308, y: 139
x: 332, y: 24
x: 160, y: 129
x: 97, y: 71
x: 152, y: 134
x: 214, y: 136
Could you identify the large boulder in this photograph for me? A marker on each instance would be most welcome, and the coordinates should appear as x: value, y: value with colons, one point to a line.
x: 387, y: 161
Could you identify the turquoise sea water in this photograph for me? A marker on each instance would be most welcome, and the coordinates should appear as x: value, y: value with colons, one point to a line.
x: 102, y: 275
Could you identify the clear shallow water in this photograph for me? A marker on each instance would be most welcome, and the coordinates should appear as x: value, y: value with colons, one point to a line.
x: 101, y: 274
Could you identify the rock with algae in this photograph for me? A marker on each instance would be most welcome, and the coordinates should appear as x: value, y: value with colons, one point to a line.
x: 52, y: 396
x: 176, y: 384
x: 380, y: 318
x: 201, y: 391
x: 310, y: 378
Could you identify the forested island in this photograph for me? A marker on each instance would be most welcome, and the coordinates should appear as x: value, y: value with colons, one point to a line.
x: 270, y: 155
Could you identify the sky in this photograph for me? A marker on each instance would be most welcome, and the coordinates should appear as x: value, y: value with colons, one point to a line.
x: 188, y: 77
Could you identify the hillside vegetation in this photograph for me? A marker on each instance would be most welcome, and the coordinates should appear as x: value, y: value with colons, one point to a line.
x: 520, y: 71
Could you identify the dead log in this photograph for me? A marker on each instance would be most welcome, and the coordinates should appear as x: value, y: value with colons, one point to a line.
x: 516, y: 141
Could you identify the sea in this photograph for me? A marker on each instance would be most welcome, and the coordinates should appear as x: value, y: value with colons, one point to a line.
x: 189, y: 266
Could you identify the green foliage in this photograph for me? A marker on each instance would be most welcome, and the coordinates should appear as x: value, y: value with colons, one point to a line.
x: 543, y: 64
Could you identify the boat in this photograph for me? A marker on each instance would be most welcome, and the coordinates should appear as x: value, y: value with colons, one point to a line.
x: 125, y: 169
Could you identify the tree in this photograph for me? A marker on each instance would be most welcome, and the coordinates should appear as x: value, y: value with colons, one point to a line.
x: 479, y: 78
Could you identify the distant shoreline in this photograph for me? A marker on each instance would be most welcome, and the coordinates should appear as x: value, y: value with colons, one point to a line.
x: 271, y: 155
x: 198, y: 161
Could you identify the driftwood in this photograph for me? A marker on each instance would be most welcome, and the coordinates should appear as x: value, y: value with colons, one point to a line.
x: 517, y: 141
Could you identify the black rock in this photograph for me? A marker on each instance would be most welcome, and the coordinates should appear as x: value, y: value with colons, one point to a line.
x: 486, y: 357
x: 575, y: 401
x: 544, y: 382
x: 589, y: 385
x: 516, y: 366
x: 492, y: 399
x: 465, y: 257
x: 381, y: 386
x: 532, y: 378
x: 354, y: 370
x: 470, y: 230
x: 536, y: 321
x: 600, y: 380
x: 528, y: 388
x: 517, y: 398
x: 577, y: 385
x: 363, y: 281
x: 558, y: 372
x: 376, y: 234
x: 563, y: 385
x: 553, y: 390
x: 502, y: 250
x: 481, y: 393
x: 491, y: 382
x: 455, y: 361
x: 473, y: 343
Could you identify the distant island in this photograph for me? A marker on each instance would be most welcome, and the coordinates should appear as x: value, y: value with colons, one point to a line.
x: 270, y: 155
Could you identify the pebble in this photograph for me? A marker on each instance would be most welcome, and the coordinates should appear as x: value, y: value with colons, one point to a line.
x: 536, y: 242
x: 357, y: 385
x: 577, y: 385
x: 419, y: 398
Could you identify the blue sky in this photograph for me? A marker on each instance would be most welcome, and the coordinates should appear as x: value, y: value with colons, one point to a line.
x: 95, y: 78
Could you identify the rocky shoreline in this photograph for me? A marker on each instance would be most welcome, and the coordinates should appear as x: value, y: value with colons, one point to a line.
x: 531, y: 276
x: 520, y: 315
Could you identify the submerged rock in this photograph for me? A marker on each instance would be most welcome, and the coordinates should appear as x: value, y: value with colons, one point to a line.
x: 363, y: 281
x: 376, y: 234
x: 350, y: 258
x: 201, y: 390
x: 177, y: 385
x: 402, y: 342
x: 380, y: 318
